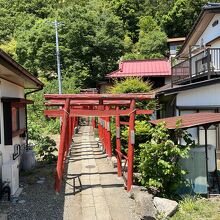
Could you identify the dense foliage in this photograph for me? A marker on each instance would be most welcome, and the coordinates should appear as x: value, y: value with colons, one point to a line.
x: 44, y: 147
x: 133, y: 85
x: 130, y: 85
x: 36, y: 120
x: 39, y: 127
x: 156, y: 152
x: 159, y: 159
x: 94, y: 35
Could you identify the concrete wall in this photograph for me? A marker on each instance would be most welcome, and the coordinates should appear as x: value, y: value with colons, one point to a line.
x: 10, y: 167
x: 203, y: 96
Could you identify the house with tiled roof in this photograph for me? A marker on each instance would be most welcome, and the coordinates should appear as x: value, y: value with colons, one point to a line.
x: 157, y: 71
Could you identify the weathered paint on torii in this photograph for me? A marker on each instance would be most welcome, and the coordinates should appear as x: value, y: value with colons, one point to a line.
x: 103, y: 106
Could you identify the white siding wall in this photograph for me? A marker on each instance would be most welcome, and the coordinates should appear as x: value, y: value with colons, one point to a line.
x: 206, y: 96
x: 192, y: 131
x: 216, y: 44
x: 10, y: 171
x: 211, y: 32
x: 203, y: 96
x: 11, y: 90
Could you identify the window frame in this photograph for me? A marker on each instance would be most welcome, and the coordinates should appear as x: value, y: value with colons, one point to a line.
x: 8, y: 104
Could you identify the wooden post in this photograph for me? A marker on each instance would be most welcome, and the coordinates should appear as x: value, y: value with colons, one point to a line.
x: 70, y: 131
x: 61, y: 151
x: 118, y: 143
x: 208, y: 63
x: 102, y: 132
x: 66, y: 146
x: 206, y: 157
x: 190, y: 64
x: 73, y: 125
x: 131, y: 143
x: 108, y: 137
x: 93, y: 122
x: 104, y: 135
x: 108, y: 134
x: 99, y: 128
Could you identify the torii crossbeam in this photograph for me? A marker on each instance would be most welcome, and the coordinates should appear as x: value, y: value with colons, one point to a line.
x: 103, y: 106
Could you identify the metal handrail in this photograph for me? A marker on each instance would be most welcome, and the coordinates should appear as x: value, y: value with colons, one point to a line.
x: 203, y: 63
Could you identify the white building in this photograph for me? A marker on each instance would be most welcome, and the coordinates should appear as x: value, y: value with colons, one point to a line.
x: 196, y: 78
x: 199, y: 57
x: 14, y: 79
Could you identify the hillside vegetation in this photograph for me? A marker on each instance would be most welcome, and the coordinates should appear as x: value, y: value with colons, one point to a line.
x: 94, y: 34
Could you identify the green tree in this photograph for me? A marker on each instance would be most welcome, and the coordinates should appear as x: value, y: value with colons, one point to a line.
x: 91, y: 42
x: 37, y: 122
x: 129, y: 12
x: 130, y: 85
x: 14, y: 13
x: 152, y: 42
x: 159, y: 160
x: 95, y: 36
x: 179, y: 20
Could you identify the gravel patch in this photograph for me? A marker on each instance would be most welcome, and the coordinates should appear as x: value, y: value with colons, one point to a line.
x: 37, y: 201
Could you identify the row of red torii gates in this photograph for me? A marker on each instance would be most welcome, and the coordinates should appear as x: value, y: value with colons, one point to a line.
x: 104, y: 106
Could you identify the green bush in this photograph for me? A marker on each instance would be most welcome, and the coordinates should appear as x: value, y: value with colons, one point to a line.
x: 142, y: 134
x: 131, y: 85
x: 45, y: 148
x: 159, y: 159
x: 191, y: 208
x: 40, y: 127
x: 37, y: 122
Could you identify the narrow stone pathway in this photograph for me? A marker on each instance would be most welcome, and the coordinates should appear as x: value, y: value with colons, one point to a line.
x: 103, y: 196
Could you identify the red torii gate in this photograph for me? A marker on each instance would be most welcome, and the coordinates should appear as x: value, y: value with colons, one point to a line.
x: 103, y: 106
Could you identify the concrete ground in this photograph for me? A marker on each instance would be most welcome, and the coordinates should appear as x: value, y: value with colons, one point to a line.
x: 103, y: 196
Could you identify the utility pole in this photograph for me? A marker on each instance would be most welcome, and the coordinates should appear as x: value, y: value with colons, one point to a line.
x: 58, y: 57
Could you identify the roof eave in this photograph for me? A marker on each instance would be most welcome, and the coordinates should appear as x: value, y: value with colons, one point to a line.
x: 188, y: 86
x: 17, y: 66
x: 204, y: 11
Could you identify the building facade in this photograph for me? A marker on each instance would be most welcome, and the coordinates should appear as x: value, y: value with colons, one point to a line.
x: 195, y: 81
x: 14, y: 79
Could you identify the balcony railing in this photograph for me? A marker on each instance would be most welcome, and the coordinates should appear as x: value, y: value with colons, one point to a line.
x: 205, y: 63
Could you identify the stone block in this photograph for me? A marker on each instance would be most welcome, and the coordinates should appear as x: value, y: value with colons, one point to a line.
x: 165, y: 206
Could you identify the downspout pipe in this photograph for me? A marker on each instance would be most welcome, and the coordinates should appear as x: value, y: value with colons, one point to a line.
x: 26, y: 122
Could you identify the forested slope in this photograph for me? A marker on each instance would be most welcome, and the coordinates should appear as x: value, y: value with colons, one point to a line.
x: 94, y: 34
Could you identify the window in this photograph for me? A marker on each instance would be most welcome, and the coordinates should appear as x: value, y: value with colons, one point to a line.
x: 18, y: 119
x: 15, y: 119
x: 215, y: 23
x: 7, y: 113
x: 173, y: 49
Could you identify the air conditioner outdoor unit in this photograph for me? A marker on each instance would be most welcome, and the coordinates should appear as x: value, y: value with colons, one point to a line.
x: 10, y: 173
